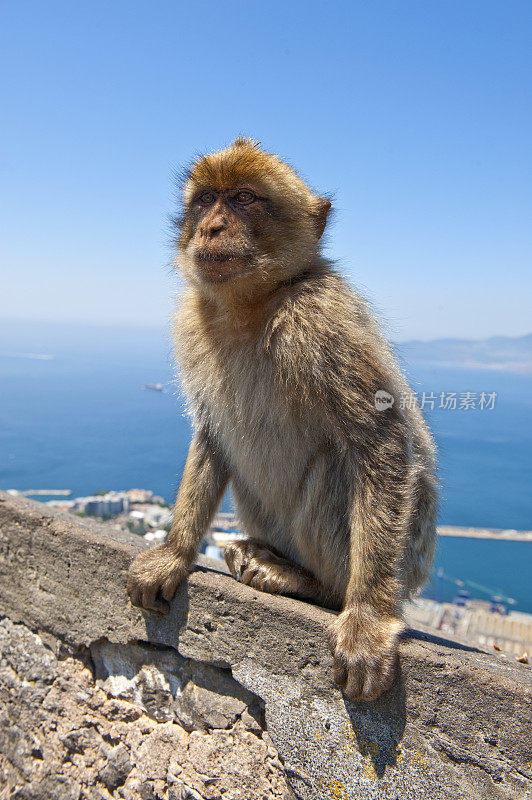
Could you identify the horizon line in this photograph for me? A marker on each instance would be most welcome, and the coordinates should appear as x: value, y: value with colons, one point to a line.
x: 164, y: 326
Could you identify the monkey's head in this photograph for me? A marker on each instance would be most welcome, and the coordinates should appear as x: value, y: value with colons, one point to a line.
x: 248, y: 219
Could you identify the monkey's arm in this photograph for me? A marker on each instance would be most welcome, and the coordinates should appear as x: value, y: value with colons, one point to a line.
x: 332, y: 361
x: 365, y: 636
x: 155, y: 575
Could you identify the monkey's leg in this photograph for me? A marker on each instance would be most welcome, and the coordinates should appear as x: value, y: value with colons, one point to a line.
x: 261, y: 567
x: 155, y: 575
x: 365, y: 637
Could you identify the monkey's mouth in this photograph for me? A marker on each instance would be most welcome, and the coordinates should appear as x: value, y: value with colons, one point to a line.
x: 216, y: 258
x: 218, y: 267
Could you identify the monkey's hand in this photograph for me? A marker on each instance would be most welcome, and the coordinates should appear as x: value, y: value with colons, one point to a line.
x: 365, y: 649
x: 154, y: 577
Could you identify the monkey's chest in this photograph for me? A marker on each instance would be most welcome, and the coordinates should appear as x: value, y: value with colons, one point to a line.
x: 267, y: 444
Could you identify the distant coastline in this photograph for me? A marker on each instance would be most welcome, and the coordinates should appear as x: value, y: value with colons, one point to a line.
x: 72, y: 504
x: 504, y: 353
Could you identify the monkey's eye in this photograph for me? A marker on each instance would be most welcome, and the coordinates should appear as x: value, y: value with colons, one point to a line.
x: 207, y: 198
x: 244, y: 197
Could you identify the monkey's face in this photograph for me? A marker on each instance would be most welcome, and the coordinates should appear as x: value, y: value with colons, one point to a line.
x: 223, y: 227
x: 248, y: 219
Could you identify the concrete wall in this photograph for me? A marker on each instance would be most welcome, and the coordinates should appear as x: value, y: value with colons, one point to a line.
x: 230, y: 696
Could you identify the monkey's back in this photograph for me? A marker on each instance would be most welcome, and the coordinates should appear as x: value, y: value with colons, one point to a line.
x: 292, y: 480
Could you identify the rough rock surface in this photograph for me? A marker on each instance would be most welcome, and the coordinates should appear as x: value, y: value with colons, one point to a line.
x: 62, y: 737
x: 456, y: 723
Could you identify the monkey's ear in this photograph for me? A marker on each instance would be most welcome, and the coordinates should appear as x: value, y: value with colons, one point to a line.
x: 320, y: 214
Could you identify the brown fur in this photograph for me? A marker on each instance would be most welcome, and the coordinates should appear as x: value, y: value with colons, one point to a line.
x: 281, y: 361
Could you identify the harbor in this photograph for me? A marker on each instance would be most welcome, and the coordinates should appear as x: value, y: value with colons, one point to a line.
x: 476, y: 624
x: 227, y: 521
x: 509, y: 535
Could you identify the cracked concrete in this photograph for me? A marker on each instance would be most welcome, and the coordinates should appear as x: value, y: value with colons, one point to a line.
x: 456, y: 724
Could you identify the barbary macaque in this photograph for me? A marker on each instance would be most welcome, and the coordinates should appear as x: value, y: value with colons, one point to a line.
x: 286, y: 370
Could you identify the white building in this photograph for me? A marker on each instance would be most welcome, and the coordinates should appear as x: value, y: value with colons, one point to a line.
x: 139, y: 495
x: 157, y: 517
x: 108, y: 504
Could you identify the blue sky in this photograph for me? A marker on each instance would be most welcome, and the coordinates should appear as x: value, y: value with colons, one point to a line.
x: 416, y: 115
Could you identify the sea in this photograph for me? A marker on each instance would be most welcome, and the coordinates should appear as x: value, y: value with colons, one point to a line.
x: 74, y: 415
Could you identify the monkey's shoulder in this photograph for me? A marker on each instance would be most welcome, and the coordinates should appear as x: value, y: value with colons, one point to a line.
x: 324, y: 304
x: 325, y: 321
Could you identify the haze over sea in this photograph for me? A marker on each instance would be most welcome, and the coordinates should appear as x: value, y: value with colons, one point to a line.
x: 73, y: 416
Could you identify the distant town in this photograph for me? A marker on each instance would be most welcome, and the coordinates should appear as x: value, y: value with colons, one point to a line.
x: 139, y: 511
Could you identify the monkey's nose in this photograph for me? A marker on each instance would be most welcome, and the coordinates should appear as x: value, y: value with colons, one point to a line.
x: 212, y: 230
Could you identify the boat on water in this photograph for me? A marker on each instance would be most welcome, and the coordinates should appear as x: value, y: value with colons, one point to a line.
x: 153, y: 387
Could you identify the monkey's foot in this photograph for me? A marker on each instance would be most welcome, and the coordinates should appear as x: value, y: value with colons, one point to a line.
x: 365, y: 649
x: 260, y: 567
x: 154, y: 577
